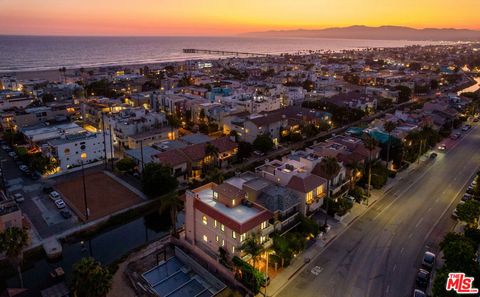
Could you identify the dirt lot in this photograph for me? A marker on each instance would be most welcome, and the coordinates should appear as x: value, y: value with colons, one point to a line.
x: 104, y: 195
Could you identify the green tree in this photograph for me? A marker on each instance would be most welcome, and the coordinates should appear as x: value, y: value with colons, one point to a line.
x: 330, y: 168
x: 469, y: 212
x: 214, y: 175
x: 157, y: 180
x: 459, y: 252
x: 263, y: 143
x: 282, y: 249
x: 405, y: 94
x: 244, y: 150
x: 370, y: 144
x: 212, y: 153
x: 12, y: 242
x: 90, y: 279
x: 126, y: 165
x: 173, y: 205
x: 253, y: 247
x: 389, y: 127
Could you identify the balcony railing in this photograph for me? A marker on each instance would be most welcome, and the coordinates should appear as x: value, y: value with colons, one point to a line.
x: 268, y: 243
x: 267, y: 230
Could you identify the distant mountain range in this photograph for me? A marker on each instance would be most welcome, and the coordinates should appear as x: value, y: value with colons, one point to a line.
x: 377, y: 33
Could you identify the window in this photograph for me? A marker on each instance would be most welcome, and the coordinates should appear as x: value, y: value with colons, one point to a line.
x: 233, y: 250
x: 242, y: 237
x: 222, y: 227
x: 205, y: 238
x: 217, y: 238
x: 233, y: 202
x: 67, y: 151
x: 204, y: 220
x: 223, y: 242
x: 263, y: 239
x: 309, y: 198
x: 263, y: 225
x: 215, y: 223
x: 234, y: 235
x: 215, y: 195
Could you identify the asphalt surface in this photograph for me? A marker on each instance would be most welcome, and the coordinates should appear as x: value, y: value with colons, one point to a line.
x: 380, y: 253
x: 41, y: 211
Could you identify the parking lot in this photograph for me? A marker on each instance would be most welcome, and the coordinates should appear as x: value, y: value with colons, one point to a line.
x: 42, y: 212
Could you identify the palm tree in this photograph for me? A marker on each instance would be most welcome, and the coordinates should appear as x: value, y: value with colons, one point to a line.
x: 212, y: 152
x: 63, y: 70
x: 355, y: 173
x: 90, y: 279
x: 253, y: 247
x: 329, y: 167
x: 389, y: 127
x: 370, y: 144
x: 215, y: 175
x: 172, y: 204
x: 12, y: 242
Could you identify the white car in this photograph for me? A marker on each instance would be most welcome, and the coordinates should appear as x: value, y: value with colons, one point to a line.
x: 60, y: 203
x: 18, y: 197
x: 23, y: 168
x: 54, y: 195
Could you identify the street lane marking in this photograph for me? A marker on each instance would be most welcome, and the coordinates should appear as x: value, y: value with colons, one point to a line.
x: 419, y: 222
x: 394, y: 267
x: 428, y: 210
x: 316, y: 270
x: 402, y: 250
x: 388, y: 289
x: 410, y: 236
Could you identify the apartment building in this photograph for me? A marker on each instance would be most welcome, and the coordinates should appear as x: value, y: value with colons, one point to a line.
x: 220, y: 216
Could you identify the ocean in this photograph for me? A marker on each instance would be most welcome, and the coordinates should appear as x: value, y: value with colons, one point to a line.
x: 38, y: 53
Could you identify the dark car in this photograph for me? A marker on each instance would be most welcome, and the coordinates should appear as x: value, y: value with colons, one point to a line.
x: 65, y: 214
x: 35, y: 176
x: 423, y: 278
x: 47, y: 189
x: 433, y: 155
x: 428, y: 260
x: 418, y: 293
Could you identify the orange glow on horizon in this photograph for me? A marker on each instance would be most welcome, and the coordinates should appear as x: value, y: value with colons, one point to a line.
x: 217, y: 17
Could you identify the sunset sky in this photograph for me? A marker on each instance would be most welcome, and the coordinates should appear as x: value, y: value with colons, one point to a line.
x: 224, y: 17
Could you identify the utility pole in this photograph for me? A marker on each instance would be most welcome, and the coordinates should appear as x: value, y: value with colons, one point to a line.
x: 104, y: 140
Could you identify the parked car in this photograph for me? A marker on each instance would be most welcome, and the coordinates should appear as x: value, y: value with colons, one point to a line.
x: 47, y: 189
x: 470, y: 190
x: 475, y: 120
x: 6, y: 148
x: 65, y: 214
x: 258, y: 153
x: 433, y: 155
x: 60, y: 203
x: 23, y: 168
x: 350, y: 198
x: 35, y: 176
x: 428, y: 260
x: 419, y: 293
x: 466, y: 128
x: 455, y: 136
x: 467, y: 197
x: 455, y: 214
x: 423, y: 278
x: 18, y: 197
x: 12, y: 154
x: 54, y: 195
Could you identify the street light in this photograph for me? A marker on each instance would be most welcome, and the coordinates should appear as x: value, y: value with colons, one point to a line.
x: 83, y: 156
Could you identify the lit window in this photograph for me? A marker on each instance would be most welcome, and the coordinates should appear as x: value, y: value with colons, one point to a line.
x: 217, y: 238
x: 309, y: 197
x: 233, y: 202
x: 215, y: 223
x: 242, y: 237
x: 215, y: 195
x: 223, y: 242
x: 205, y: 238
x: 264, y: 225
x: 234, y: 235
x: 204, y: 220
x: 222, y: 227
x: 263, y: 239
x: 233, y: 249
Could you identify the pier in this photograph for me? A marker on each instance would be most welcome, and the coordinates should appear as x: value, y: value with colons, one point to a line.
x: 223, y: 53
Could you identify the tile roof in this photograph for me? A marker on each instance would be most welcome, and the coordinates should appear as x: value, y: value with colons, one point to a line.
x: 305, y: 184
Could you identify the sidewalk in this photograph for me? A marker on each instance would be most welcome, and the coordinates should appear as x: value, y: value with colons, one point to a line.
x: 337, y: 228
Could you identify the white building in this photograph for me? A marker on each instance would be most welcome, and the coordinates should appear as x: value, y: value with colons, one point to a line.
x: 70, y: 150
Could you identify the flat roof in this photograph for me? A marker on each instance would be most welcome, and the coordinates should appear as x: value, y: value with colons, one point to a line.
x: 239, y: 213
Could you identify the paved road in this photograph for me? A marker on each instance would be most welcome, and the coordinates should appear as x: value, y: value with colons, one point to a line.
x: 380, y: 253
